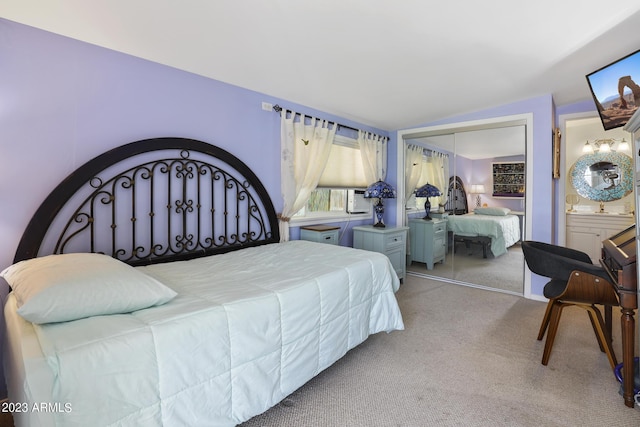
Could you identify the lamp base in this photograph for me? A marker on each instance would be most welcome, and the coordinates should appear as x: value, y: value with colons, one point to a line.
x: 379, y: 209
x: 427, y: 210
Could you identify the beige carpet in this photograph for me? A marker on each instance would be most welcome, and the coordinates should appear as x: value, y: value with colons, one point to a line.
x: 468, y: 357
x: 505, y: 272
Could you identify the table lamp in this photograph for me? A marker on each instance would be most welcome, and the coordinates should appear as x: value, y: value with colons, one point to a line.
x: 427, y: 191
x: 380, y: 190
x: 477, y: 189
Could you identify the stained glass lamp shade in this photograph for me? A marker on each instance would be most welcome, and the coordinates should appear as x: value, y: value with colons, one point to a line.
x: 380, y: 190
x: 427, y: 191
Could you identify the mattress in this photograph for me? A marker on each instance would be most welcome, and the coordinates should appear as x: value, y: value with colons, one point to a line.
x: 504, y: 230
x: 246, y: 329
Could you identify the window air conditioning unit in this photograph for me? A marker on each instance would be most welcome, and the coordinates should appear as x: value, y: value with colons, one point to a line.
x: 356, y: 203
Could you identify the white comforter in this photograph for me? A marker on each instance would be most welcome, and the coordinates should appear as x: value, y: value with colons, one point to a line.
x: 504, y: 231
x: 247, y: 329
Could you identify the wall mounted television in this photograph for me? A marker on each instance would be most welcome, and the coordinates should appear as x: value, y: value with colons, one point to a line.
x: 616, y: 90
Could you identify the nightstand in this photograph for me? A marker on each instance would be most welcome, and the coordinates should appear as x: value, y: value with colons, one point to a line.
x: 320, y: 233
x: 391, y: 241
x: 428, y: 241
x: 439, y: 215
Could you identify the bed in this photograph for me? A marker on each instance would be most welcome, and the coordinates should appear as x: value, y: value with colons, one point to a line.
x: 494, y: 228
x: 498, y: 232
x: 150, y: 288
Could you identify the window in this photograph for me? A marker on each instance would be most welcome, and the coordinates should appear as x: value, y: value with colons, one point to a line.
x: 344, y: 171
x: 434, y: 168
x: 344, y: 168
x: 326, y: 200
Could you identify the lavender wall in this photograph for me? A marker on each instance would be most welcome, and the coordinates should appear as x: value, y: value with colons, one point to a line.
x: 482, y: 175
x: 479, y: 172
x: 64, y: 102
x: 541, y: 188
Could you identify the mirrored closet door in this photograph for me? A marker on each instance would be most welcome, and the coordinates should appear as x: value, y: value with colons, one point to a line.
x: 479, y: 219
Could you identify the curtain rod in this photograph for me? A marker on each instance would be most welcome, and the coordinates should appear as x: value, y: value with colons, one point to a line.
x: 278, y: 109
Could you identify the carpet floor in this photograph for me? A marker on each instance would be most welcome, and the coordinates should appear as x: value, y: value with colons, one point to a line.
x: 505, y: 272
x: 467, y: 357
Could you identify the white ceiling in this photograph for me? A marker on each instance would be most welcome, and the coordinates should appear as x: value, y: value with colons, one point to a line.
x: 479, y: 144
x: 390, y: 65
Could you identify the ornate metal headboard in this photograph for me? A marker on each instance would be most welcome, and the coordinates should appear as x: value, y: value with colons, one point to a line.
x: 154, y: 200
x: 457, y: 197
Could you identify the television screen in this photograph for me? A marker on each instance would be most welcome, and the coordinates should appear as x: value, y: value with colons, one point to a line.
x: 616, y: 90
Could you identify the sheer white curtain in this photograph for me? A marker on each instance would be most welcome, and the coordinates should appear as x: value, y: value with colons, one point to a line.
x: 304, y: 153
x: 412, y: 170
x: 374, y: 155
x: 437, y: 173
x: 412, y: 173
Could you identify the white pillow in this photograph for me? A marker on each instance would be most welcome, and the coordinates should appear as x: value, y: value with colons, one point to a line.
x: 497, y: 211
x: 59, y: 288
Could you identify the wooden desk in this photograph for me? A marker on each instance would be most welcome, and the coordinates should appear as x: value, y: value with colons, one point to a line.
x: 619, y: 261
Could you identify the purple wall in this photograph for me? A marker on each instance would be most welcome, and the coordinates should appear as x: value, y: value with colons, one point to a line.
x: 64, y: 102
x: 482, y: 175
x: 541, y: 188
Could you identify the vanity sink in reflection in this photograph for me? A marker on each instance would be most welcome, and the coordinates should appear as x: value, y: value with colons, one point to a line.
x: 598, y: 213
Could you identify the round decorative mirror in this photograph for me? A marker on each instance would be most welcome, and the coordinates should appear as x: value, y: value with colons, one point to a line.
x: 603, y: 177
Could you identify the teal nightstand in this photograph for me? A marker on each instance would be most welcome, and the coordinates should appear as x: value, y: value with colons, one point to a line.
x: 320, y: 233
x: 428, y: 241
x: 439, y: 215
x: 391, y: 241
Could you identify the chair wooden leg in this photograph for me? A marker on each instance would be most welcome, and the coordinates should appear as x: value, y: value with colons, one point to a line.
x: 595, y: 328
x: 556, y: 312
x: 545, y: 320
x: 607, y: 322
x: 601, y: 334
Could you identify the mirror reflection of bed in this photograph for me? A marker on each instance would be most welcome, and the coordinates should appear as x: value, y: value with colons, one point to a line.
x: 471, y: 256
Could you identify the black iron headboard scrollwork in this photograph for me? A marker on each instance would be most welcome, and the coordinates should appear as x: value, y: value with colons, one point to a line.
x: 456, y: 197
x: 155, y: 200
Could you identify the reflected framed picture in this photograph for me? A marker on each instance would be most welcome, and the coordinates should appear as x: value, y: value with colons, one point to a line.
x: 616, y: 90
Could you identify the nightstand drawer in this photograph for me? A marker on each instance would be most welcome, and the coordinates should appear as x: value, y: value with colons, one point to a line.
x: 440, y: 227
x: 396, y: 239
x: 428, y: 241
x: 320, y: 233
x: 389, y: 241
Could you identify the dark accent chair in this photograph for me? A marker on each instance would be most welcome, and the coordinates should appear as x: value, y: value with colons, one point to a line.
x: 575, y: 281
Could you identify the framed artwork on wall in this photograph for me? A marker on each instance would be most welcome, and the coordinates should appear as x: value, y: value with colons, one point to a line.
x: 616, y: 91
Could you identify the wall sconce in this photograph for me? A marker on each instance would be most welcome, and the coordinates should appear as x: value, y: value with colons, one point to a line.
x: 477, y: 189
x: 605, y: 145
